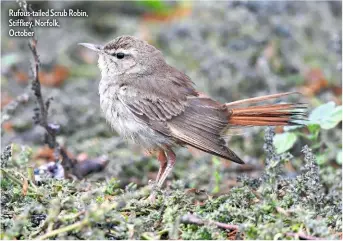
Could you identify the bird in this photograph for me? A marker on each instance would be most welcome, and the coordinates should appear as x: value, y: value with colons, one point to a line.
x: 155, y: 105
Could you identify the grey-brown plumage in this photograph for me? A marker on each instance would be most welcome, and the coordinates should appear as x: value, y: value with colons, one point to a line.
x: 156, y: 105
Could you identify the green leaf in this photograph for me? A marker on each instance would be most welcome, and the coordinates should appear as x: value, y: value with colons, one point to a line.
x: 313, y: 128
x: 157, y: 6
x: 339, y: 157
x: 285, y: 141
x: 327, y: 115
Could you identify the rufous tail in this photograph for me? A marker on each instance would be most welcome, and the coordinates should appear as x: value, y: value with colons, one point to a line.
x: 266, y: 114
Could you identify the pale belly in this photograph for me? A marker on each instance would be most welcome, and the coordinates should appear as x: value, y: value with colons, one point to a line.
x: 127, y: 125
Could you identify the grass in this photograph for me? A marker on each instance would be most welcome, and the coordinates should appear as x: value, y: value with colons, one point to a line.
x: 272, y: 206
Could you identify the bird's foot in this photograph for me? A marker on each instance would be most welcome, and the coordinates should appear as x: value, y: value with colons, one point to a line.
x: 153, y: 185
x: 152, y: 197
x: 154, y: 190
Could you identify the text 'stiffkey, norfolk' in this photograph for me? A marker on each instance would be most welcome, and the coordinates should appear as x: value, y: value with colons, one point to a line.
x: 35, y: 23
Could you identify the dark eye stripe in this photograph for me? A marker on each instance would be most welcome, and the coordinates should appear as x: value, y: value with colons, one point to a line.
x: 119, y: 55
x: 111, y: 53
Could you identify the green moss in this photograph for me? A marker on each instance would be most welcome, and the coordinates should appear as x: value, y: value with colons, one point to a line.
x: 267, y: 207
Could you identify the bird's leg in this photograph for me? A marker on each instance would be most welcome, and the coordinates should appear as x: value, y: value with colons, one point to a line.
x: 171, y: 162
x: 161, y: 157
x: 164, y: 170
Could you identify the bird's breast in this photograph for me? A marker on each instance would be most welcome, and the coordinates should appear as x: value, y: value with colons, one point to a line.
x: 119, y: 117
x: 123, y: 121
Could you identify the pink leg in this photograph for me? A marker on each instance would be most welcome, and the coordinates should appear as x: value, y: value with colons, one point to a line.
x: 161, y: 157
x: 171, y: 162
x: 163, y: 164
x: 164, y: 170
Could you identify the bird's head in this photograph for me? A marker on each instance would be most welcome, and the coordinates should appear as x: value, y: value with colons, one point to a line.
x: 127, y: 55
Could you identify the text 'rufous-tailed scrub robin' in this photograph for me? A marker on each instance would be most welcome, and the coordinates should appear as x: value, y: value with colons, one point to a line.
x: 157, y: 106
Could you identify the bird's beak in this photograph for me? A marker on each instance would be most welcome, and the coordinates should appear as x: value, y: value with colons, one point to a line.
x: 94, y: 47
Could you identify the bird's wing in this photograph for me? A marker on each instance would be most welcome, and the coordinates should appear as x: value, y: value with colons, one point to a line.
x: 201, y: 125
x: 158, y: 98
x: 174, y: 109
x: 155, y: 109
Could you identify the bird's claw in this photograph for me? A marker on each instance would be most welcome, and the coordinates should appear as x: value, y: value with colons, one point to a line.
x: 152, y: 197
x: 154, y: 190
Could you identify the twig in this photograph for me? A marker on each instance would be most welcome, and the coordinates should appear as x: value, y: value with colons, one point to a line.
x: 75, y: 226
x: 16, y: 181
x: 39, y: 229
x: 71, y: 216
x: 91, y: 216
x: 51, y: 224
x: 146, y: 236
x: 302, y: 236
x: 164, y: 231
x: 192, y: 219
x: 41, y: 112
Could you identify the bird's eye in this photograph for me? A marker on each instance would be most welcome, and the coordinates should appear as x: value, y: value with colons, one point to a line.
x: 120, y: 55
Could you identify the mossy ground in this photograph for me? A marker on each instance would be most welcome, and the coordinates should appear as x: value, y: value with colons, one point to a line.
x: 272, y: 206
